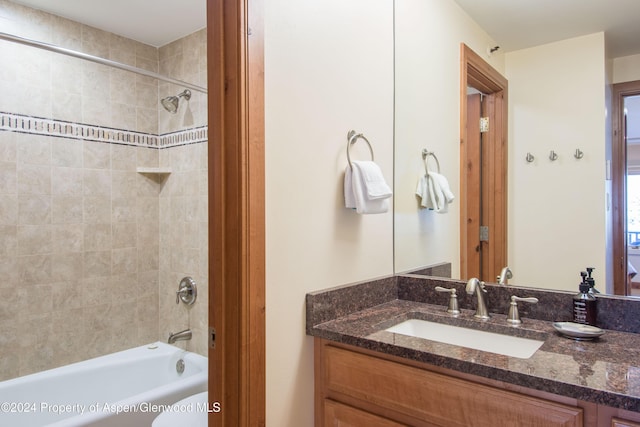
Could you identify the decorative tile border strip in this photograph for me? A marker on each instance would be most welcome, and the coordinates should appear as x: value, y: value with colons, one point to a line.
x: 183, y: 137
x: 62, y: 129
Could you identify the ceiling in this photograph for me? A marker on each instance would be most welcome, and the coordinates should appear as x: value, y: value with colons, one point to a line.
x: 513, y: 24
x: 154, y: 22
x: 519, y: 24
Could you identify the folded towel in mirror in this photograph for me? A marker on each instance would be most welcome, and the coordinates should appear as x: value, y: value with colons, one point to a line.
x: 433, y: 189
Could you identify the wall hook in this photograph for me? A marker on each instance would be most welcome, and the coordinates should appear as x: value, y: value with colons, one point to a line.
x: 553, y: 156
x: 529, y: 158
x: 578, y: 154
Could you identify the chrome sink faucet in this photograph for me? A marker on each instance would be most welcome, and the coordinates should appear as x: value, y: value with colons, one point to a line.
x: 505, y: 274
x: 475, y: 286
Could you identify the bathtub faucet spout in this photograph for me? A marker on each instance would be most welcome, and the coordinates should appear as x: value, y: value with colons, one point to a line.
x: 179, y: 336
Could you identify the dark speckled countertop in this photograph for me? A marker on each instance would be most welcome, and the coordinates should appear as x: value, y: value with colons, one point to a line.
x: 604, y: 371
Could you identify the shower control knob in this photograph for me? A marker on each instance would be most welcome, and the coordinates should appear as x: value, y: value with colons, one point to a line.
x: 187, y: 291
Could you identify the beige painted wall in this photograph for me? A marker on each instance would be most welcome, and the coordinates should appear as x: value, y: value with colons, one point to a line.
x: 626, y: 69
x: 557, y: 210
x: 328, y: 69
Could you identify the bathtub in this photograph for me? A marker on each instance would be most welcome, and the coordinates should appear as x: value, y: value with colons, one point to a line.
x: 125, y: 389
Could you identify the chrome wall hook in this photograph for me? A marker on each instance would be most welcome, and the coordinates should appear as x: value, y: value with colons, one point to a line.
x: 530, y: 158
x: 578, y: 154
x: 553, y: 156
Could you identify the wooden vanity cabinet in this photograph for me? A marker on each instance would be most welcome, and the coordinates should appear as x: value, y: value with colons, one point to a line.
x: 618, y: 422
x: 359, y: 388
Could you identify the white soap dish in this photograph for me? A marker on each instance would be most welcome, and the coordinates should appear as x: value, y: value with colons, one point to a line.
x: 578, y: 331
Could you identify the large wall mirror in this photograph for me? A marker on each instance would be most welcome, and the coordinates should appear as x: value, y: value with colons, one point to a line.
x: 560, y: 145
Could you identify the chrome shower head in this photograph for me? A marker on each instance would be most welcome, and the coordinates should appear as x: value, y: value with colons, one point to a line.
x: 170, y: 103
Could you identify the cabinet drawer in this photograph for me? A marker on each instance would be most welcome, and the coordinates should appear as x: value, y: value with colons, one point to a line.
x: 436, y: 398
x: 617, y: 422
x: 339, y: 415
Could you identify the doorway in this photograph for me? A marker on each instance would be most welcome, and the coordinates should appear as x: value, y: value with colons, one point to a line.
x: 483, y: 168
x: 625, y: 176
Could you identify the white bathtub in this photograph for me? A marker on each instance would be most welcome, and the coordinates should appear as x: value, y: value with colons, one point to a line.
x: 125, y: 389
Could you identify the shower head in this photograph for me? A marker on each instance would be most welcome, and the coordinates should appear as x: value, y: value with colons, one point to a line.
x: 170, y: 103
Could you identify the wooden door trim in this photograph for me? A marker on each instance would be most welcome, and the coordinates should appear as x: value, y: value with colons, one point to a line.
x: 618, y: 185
x: 476, y: 72
x: 236, y: 211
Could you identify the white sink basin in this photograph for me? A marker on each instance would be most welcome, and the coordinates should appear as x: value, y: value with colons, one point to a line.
x: 491, y: 342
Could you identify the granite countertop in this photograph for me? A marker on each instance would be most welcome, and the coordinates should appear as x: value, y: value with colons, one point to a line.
x: 604, y: 371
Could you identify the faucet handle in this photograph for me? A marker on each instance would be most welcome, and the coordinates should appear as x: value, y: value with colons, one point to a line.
x: 453, y: 300
x: 514, y: 317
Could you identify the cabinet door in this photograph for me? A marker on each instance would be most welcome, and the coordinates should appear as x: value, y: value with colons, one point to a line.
x: 618, y: 422
x: 436, y: 398
x: 339, y: 415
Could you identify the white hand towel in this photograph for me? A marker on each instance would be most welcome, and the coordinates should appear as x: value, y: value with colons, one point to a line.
x: 349, y: 198
x: 444, y: 186
x: 365, y: 188
x: 422, y: 191
x: 433, y: 189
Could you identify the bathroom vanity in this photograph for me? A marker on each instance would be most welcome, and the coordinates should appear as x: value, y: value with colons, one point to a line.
x: 367, y: 375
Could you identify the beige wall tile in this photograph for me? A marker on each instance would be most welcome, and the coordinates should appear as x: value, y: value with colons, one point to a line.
x: 124, y: 209
x: 67, y: 210
x: 95, y: 291
x: 8, y: 178
x: 67, y: 297
x: 123, y: 87
x: 34, y: 179
x: 148, y: 157
x: 97, y: 264
x: 122, y: 49
x: 34, y: 239
x: 124, y: 235
x: 33, y: 149
x: 147, y: 119
x: 8, y: 148
x: 66, y: 267
x: 34, y: 269
x: 123, y: 157
x: 8, y: 240
x: 9, y: 271
x: 96, y: 210
x: 95, y: 41
x: 67, y: 152
x: 96, y: 155
x: 123, y: 116
x: 123, y: 184
x: 8, y: 209
x: 66, y: 181
x: 68, y: 238
x: 97, y: 237
x: 66, y: 33
x: 66, y: 106
x: 124, y: 261
x: 34, y: 209
x: 66, y: 72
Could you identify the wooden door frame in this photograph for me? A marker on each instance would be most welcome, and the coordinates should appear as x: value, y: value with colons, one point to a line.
x: 618, y: 185
x: 235, y: 58
x: 477, y: 73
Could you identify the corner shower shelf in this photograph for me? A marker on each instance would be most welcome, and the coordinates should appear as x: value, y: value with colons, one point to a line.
x: 157, y: 171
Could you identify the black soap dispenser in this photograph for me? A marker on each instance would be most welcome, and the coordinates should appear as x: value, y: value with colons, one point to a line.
x: 591, y: 281
x: 584, y: 303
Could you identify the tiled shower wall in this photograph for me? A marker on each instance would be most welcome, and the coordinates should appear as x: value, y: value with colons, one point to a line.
x: 91, y: 251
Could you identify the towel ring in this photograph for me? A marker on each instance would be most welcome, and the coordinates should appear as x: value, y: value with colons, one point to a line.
x: 352, y: 137
x: 425, y: 155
